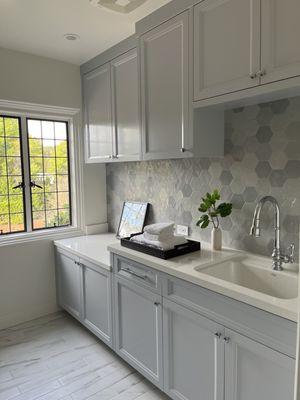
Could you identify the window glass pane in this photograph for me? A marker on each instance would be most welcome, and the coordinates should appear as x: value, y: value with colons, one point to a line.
x: 3, y: 166
x: 12, y: 214
x: 60, y: 130
x: 62, y: 183
x: 51, y: 201
x: 12, y: 147
x: 1, y: 126
x: 47, y: 130
x: 14, y: 165
x: 4, y: 207
x: 52, y: 218
x: 16, y: 204
x: 11, y: 127
x: 4, y: 224
x: 61, y: 148
x: 62, y: 165
x: 2, y: 146
x: 50, y: 166
x: 49, y: 169
x: 39, y: 220
x: 36, y: 147
x: 34, y: 128
x: 3, y: 185
x: 17, y: 222
x: 49, y: 148
x: 36, y: 165
x: 64, y: 217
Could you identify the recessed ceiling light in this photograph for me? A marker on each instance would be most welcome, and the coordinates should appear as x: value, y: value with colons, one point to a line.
x: 71, y: 36
x: 121, y: 6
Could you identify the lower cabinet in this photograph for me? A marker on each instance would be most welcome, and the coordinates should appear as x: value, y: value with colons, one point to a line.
x: 254, y: 371
x: 184, y: 353
x: 193, y: 355
x: 68, y: 278
x: 84, y: 290
x: 138, y: 328
x: 205, y: 361
x: 96, y: 312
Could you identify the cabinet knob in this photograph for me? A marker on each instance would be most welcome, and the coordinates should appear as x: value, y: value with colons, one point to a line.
x: 183, y: 150
x: 226, y: 339
x: 262, y: 72
x: 156, y: 303
x: 218, y: 335
x: 253, y: 75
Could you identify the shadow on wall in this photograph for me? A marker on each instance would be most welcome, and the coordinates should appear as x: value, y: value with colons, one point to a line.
x: 262, y: 157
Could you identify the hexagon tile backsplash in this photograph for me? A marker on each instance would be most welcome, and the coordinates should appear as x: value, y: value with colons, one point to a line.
x: 262, y: 156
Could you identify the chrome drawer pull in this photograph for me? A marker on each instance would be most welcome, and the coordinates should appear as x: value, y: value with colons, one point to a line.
x: 129, y: 271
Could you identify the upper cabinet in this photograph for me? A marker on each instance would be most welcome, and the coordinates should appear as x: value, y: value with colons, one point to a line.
x: 280, y: 39
x: 164, y: 88
x: 98, y: 115
x: 241, y: 44
x: 226, y: 46
x: 111, y: 111
x: 124, y: 70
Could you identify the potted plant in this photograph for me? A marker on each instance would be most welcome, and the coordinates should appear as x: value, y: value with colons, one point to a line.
x: 211, y: 214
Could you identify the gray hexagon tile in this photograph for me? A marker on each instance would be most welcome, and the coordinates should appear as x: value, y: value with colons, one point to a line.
x: 262, y: 157
x: 263, y: 169
x: 226, y: 177
x: 264, y: 134
x: 278, y: 178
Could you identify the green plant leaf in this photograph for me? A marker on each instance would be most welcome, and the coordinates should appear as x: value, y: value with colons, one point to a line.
x: 224, y: 209
x: 203, y: 221
x: 203, y: 207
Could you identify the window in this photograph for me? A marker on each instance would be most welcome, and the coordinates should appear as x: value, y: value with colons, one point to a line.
x: 34, y: 174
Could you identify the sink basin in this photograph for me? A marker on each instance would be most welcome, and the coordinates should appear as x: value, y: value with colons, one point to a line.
x: 245, y: 272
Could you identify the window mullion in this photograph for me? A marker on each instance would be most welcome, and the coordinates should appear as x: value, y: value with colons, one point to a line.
x: 26, y: 173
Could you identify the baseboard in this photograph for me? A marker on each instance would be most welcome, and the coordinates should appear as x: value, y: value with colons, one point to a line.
x: 7, y: 321
x: 95, y: 229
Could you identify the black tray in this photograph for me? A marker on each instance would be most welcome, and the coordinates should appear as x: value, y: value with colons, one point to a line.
x: 179, y: 250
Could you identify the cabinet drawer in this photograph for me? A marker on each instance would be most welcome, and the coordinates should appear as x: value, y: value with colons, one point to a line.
x: 137, y: 273
x: 266, y: 328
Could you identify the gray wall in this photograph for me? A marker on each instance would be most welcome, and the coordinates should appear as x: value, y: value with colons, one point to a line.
x: 262, y: 157
x: 27, y: 284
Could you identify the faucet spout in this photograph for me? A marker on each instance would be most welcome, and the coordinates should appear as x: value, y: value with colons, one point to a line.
x: 255, y: 229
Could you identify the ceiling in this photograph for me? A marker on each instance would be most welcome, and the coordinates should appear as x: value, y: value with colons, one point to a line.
x: 38, y: 27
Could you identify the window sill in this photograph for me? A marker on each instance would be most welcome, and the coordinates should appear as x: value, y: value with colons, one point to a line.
x: 52, y: 234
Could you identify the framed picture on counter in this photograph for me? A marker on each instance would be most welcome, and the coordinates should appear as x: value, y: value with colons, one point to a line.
x: 132, y: 218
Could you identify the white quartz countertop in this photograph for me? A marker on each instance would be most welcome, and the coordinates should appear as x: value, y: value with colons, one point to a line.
x: 183, y: 267
x: 92, y: 248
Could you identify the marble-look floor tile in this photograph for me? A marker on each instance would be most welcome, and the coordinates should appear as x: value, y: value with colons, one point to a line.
x: 55, y: 358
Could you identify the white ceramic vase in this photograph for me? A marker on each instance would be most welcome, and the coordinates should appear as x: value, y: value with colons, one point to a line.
x: 216, y: 239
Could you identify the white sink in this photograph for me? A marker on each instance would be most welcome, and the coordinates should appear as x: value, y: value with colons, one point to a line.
x: 244, y: 271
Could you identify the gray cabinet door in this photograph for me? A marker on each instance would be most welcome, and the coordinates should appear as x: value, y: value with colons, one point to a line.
x: 68, y: 277
x: 193, y: 355
x: 254, y: 371
x: 280, y: 53
x: 165, y: 89
x: 226, y: 46
x: 138, y: 328
x: 96, y: 313
x: 124, y: 71
x: 98, y: 115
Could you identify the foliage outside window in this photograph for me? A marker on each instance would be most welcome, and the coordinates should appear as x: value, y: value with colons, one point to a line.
x: 34, y: 175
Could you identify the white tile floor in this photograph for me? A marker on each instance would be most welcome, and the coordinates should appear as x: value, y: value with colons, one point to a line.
x: 54, y: 358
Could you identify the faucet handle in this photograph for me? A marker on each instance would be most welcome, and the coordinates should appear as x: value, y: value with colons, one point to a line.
x: 292, y: 253
x: 290, y: 257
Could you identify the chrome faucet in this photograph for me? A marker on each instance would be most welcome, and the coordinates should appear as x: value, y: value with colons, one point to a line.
x: 277, y: 256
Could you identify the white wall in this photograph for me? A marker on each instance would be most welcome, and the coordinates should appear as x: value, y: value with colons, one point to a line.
x: 27, y: 279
